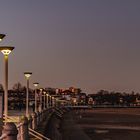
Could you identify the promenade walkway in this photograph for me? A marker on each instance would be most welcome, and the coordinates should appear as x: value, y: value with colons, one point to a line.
x: 19, y: 112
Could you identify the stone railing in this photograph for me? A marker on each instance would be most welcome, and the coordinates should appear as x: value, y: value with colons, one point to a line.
x: 22, y: 128
x: 25, y: 126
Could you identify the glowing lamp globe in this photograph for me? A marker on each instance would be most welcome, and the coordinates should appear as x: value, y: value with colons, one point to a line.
x: 36, y: 84
x: 6, y: 50
x: 27, y: 74
x: 2, y: 36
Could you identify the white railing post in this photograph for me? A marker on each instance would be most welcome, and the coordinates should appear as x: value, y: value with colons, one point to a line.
x: 43, y: 115
x: 40, y: 115
x: 34, y: 122
x: 24, y: 130
x: 30, y: 119
x: 38, y: 118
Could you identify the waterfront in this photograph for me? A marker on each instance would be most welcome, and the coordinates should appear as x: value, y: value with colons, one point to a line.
x: 89, y: 123
x: 103, y: 124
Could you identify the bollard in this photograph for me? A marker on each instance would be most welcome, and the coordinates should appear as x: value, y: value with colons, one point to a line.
x: 24, y: 128
x: 30, y: 119
x: 38, y: 118
x: 43, y: 115
x: 34, y: 122
x: 40, y: 115
x: 10, y: 130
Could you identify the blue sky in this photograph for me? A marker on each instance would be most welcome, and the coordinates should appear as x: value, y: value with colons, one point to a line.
x: 91, y: 44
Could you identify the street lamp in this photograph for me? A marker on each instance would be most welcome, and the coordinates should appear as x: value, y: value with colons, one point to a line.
x: 47, y: 101
x: 36, y: 85
x: 53, y: 102
x: 56, y: 102
x: 6, y: 50
x: 50, y: 100
x: 40, y: 108
x: 2, y: 36
x: 44, y: 100
x: 27, y: 76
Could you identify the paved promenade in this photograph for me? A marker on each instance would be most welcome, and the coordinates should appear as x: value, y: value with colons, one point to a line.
x: 19, y: 112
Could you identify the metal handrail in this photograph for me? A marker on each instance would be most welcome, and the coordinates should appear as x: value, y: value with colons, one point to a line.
x: 36, y: 134
x: 11, y: 119
x: 58, y: 113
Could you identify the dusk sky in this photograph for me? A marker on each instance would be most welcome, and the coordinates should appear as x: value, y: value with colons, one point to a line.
x: 90, y: 44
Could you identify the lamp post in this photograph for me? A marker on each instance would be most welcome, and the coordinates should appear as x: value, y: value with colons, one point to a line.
x: 6, y: 50
x: 36, y: 85
x: 40, y: 107
x: 44, y: 100
x: 2, y: 36
x: 27, y: 76
x: 50, y: 102
x: 56, y: 102
x: 53, y: 102
x: 47, y: 101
